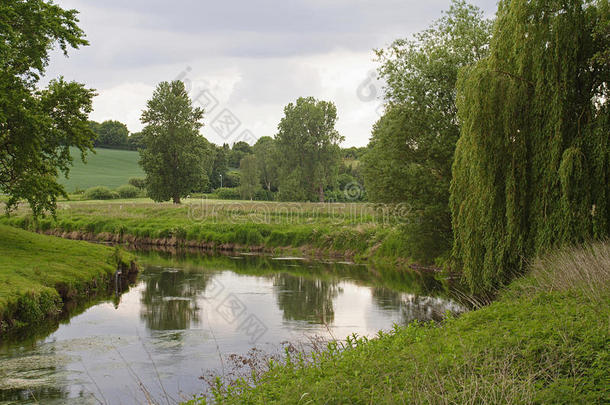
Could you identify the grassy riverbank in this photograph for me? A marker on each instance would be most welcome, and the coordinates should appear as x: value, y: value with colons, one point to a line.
x: 39, y: 273
x: 360, y: 231
x: 545, y: 340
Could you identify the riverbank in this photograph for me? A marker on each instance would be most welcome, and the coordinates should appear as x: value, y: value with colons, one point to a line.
x: 39, y: 274
x: 360, y: 232
x: 545, y: 340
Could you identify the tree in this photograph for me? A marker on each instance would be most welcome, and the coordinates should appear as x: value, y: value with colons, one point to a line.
x: 38, y: 126
x: 111, y: 134
x: 175, y: 157
x: 266, y: 155
x: 219, y: 167
x: 239, y: 150
x: 532, y: 166
x: 412, y: 146
x: 135, y: 141
x: 250, y: 177
x: 308, y: 149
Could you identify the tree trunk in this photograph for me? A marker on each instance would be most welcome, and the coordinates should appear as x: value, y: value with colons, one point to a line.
x: 321, y: 191
x: 176, y: 199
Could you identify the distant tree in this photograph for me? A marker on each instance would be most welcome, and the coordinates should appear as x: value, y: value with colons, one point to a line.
x: 532, y: 166
x: 38, y: 126
x: 175, y: 157
x: 111, y: 134
x: 239, y: 150
x: 250, y: 177
x: 412, y: 145
x: 135, y: 141
x: 137, y: 182
x: 308, y: 149
x: 267, y: 157
x: 220, y: 167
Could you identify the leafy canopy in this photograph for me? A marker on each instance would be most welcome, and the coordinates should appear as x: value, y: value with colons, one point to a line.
x: 308, y: 149
x: 38, y: 126
x: 532, y: 166
x: 175, y: 157
x: 412, y: 145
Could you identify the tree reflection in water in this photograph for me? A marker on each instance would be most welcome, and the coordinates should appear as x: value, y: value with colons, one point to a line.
x: 303, y: 299
x: 414, y: 307
x: 169, y: 298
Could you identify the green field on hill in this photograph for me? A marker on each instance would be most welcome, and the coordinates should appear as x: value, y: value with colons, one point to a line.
x: 105, y: 167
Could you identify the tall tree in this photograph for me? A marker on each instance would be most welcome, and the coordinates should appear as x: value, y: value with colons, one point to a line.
x: 219, y: 167
x: 250, y: 177
x: 266, y: 155
x: 412, y: 145
x: 308, y: 149
x: 238, y: 151
x: 38, y: 126
x: 532, y: 166
x: 175, y: 157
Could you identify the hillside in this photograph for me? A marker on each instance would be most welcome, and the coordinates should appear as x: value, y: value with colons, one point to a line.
x: 107, y: 167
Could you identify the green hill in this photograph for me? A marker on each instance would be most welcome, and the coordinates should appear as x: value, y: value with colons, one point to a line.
x: 106, y: 167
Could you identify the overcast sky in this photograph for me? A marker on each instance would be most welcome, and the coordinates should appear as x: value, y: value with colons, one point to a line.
x: 243, y: 61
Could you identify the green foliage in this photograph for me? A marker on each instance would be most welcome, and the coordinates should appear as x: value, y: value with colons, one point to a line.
x: 412, y: 146
x: 99, y: 193
x: 128, y: 191
x: 231, y: 179
x: 267, y: 157
x: 226, y: 193
x: 176, y: 159
x: 110, y: 134
x: 38, y: 126
x: 250, y: 177
x: 308, y: 149
x: 238, y: 152
x: 532, y: 165
x: 138, y: 182
x: 218, y: 176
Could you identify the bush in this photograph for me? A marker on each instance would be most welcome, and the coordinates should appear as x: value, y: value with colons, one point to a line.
x: 263, y: 195
x: 128, y: 191
x: 100, y: 193
x: 138, y: 182
x: 225, y: 193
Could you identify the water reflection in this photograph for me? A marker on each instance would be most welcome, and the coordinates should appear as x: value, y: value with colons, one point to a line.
x: 169, y: 298
x: 303, y: 299
x: 173, y: 317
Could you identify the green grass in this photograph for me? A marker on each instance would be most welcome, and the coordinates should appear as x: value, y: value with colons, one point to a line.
x: 545, y: 340
x: 357, y: 230
x: 107, y: 167
x: 37, y: 272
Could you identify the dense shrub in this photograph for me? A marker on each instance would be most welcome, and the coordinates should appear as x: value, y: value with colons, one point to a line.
x: 128, y: 191
x: 100, y: 193
x: 225, y: 193
x: 138, y: 182
x: 263, y: 195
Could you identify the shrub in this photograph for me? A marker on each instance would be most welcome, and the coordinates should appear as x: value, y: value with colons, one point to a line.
x: 263, y: 195
x: 225, y: 193
x: 138, y: 182
x: 100, y: 193
x: 128, y: 191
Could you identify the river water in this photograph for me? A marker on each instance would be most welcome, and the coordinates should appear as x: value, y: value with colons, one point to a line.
x: 190, y: 315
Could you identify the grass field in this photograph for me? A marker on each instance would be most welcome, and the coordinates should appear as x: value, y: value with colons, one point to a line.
x: 358, y: 230
x: 38, y: 271
x: 544, y: 341
x: 107, y: 167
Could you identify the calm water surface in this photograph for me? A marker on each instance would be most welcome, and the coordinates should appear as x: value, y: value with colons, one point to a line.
x: 186, y: 312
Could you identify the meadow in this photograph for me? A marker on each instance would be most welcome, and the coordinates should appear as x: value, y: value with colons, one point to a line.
x: 355, y: 230
x: 106, y: 167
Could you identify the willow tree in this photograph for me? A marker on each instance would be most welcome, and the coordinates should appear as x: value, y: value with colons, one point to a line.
x: 532, y: 165
x: 412, y: 145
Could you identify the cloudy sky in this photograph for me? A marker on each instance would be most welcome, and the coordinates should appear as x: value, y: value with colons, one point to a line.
x: 242, y: 60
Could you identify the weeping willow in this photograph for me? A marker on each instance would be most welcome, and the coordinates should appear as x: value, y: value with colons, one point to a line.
x: 532, y: 165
